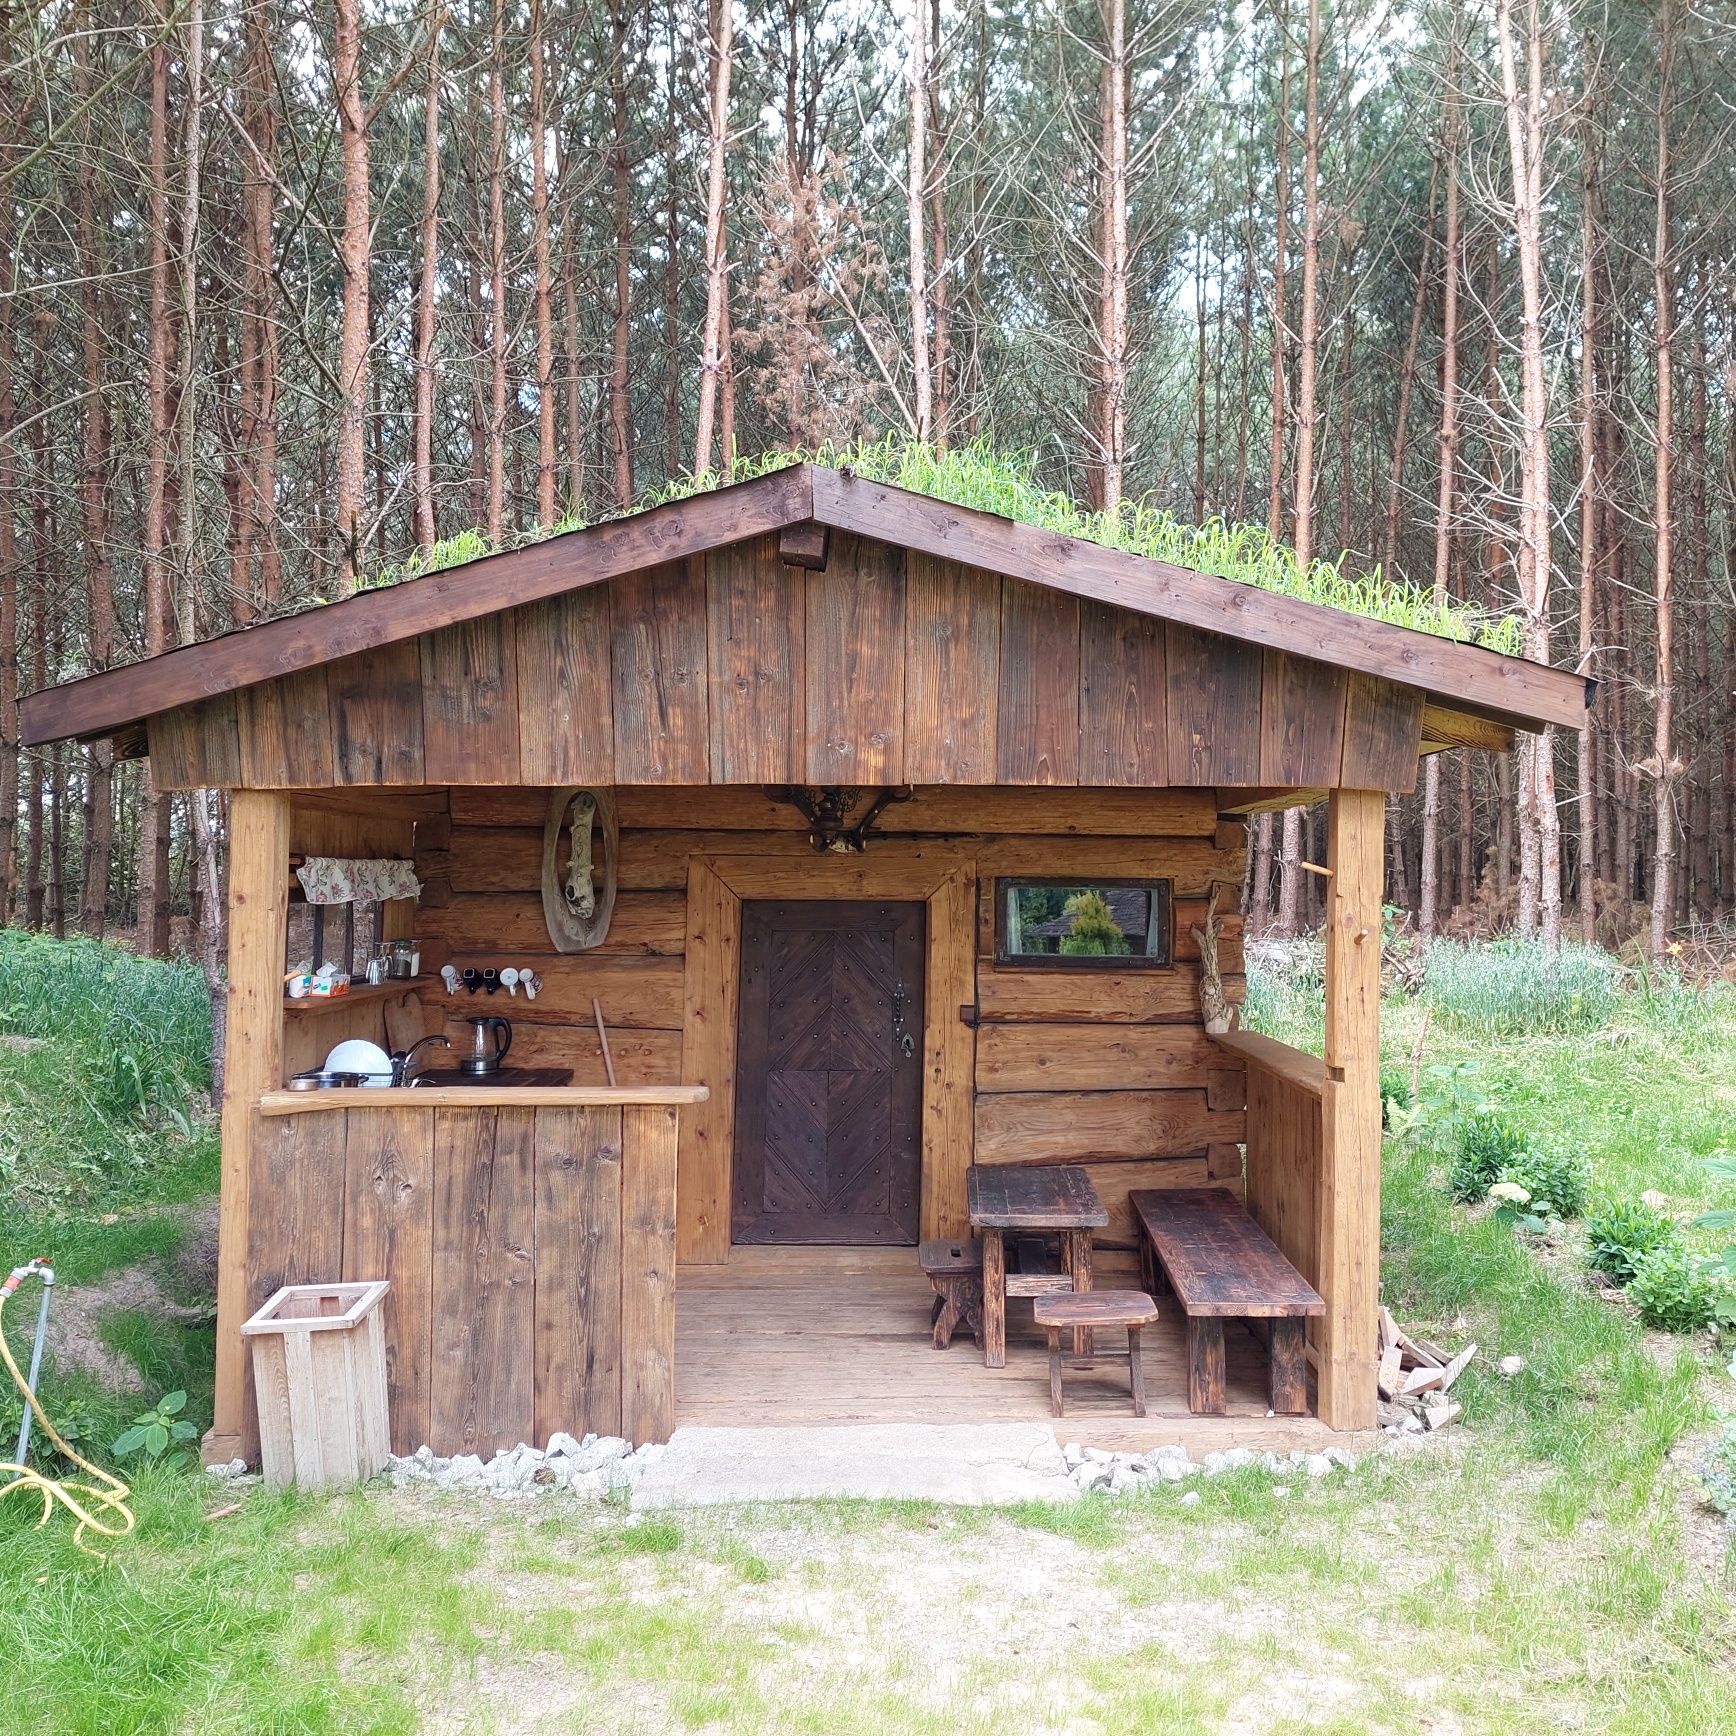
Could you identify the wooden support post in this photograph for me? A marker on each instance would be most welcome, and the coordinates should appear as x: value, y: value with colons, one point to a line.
x: 1350, y: 1158
x: 258, y: 917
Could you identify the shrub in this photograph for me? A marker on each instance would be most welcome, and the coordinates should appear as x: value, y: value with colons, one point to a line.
x: 1619, y: 1233
x: 1487, y: 1143
x: 1555, y: 1180
x: 1514, y: 988
x: 1672, y: 1289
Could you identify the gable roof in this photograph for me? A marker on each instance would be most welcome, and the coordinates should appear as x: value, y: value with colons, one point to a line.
x: 1464, y: 678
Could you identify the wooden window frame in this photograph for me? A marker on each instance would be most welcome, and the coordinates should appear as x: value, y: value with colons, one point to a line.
x: 1159, y: 888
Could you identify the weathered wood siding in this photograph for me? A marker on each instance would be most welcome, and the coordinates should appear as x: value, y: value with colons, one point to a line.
x: 530, y: 1254
x: 1109, y: 1068
x: 888, y: 666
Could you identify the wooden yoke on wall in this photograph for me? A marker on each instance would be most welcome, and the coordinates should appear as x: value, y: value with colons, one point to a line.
x: 1349, y: 1224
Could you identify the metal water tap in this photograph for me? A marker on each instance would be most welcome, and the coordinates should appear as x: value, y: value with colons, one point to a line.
x: 402, y: 1063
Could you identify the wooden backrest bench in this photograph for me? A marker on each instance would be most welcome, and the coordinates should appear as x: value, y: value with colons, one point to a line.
x: 1202, y: 1245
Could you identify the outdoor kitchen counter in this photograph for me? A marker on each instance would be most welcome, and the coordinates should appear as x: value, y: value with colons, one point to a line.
x: 527, y: 1233
x: 481, y: 1096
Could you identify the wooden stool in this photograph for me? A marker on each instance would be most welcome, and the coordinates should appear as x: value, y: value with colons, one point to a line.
x: 1084, y: 1309
x: 954, y: 1267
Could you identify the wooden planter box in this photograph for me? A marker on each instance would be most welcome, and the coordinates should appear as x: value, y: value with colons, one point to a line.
x: 319, y: 1367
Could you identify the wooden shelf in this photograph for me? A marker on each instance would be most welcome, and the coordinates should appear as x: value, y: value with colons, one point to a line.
x: 386, y: 991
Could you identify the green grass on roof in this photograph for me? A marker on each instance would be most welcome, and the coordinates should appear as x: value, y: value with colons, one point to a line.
x: 1005, y: 484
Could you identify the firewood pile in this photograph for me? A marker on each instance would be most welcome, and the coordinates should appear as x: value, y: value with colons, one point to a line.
x: 1416, y: 1380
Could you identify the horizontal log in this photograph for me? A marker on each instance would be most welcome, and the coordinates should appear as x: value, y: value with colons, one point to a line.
x: 1132, y: 997
x: 641, y: 1057
x: 943, y: 809
x: 1115, y: 1181
x: 653, y: 923
x: 1093, y: 1057
x: 638, y: 993
x: 1067, y: 1126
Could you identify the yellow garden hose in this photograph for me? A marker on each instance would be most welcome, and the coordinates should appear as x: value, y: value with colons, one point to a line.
x: 102, y: 1509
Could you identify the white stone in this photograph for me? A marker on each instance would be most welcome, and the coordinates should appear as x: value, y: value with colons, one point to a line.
x: 1090, y: 1476
x: 561, y: 1445
x: 1074, y: 1455
x: 1122, y: 1479
x: 1317, y: 1465
x: 1170, y: 1463
x: 1281, y: 1491
x: 1341, y: 1458
x: 1230, y: 1459
x: 1191, y: 1498
x: 1511, y: 1365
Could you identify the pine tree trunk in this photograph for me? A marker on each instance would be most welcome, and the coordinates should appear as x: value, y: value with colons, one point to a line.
x: 427, y: 283
x: 497, y: 333
x: 10, y: 766
x: 620, y: 376
x: 939, y: 297
x: 94, y: 485
x: 716, y: 232
x: 1428, y: 888
x: 1704, y: 903
x: 153, y: 859
x: 1540, y: 887
x: 1663, y: 767
x: 354, y: 248
x: 1112, y: 317
x: 916, y: 213
x: 546, y: 512
x: 1590, y: 507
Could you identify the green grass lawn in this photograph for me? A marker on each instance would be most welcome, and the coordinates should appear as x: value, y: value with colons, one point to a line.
x: 1547, y: 1564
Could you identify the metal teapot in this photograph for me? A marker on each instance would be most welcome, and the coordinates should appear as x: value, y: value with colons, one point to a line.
x: 489, y: 1044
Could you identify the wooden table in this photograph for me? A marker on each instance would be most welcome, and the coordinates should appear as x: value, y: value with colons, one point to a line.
x: 1040, y: 1197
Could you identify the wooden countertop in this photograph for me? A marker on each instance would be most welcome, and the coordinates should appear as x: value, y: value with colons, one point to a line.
x: 482, y: 1097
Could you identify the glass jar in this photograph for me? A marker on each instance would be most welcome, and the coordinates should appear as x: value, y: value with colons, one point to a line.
x: 406, y: 959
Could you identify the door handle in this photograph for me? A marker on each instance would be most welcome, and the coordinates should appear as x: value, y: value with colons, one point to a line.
x: 898, y: 1003
x: 908, y: 1045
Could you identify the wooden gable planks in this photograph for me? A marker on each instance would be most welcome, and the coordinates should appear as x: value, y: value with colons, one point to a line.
x: 470, y: 702
x: 376, y: 716
x: 1123, y: 739
x: 1301, y: 720
x: 952, y: 624
x: 196, y: 746
x: 285, y: 732
x: 756, y: 630
x: 1383, y: 725
x: 566, y: 706
x: 855, y: 665
x: 1213, y: 705
x: 659, y: 672
x: 1038, y: 735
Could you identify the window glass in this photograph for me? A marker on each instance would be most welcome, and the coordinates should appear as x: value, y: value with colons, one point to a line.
x: 1078, y: 924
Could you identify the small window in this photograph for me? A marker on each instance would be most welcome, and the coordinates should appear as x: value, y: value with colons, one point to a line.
x: 1062, y: 924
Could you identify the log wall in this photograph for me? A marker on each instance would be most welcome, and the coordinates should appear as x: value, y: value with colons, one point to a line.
x: 1108, y: 1068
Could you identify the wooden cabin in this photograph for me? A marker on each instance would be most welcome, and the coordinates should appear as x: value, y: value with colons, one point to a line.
x: 812, y: 1044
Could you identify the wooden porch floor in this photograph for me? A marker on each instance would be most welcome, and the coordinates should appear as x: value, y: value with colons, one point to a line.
x: 840, y: 1335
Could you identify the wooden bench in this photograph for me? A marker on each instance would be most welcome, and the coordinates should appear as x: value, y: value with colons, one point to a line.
x: 1222, y: 1266
x: 1086, y: 1309
x: 954, y: 1269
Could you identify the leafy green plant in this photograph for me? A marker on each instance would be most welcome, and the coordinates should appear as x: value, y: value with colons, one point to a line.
x: 1673, y: 1290
x: 1556, y: 1180
x: 1619, y: 1232
x: 160, y: 1434
x: 1487, y: 1143
x: 1395, y: 1100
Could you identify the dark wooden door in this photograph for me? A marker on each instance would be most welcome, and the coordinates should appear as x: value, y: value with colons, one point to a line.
x: 828, y: 1097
